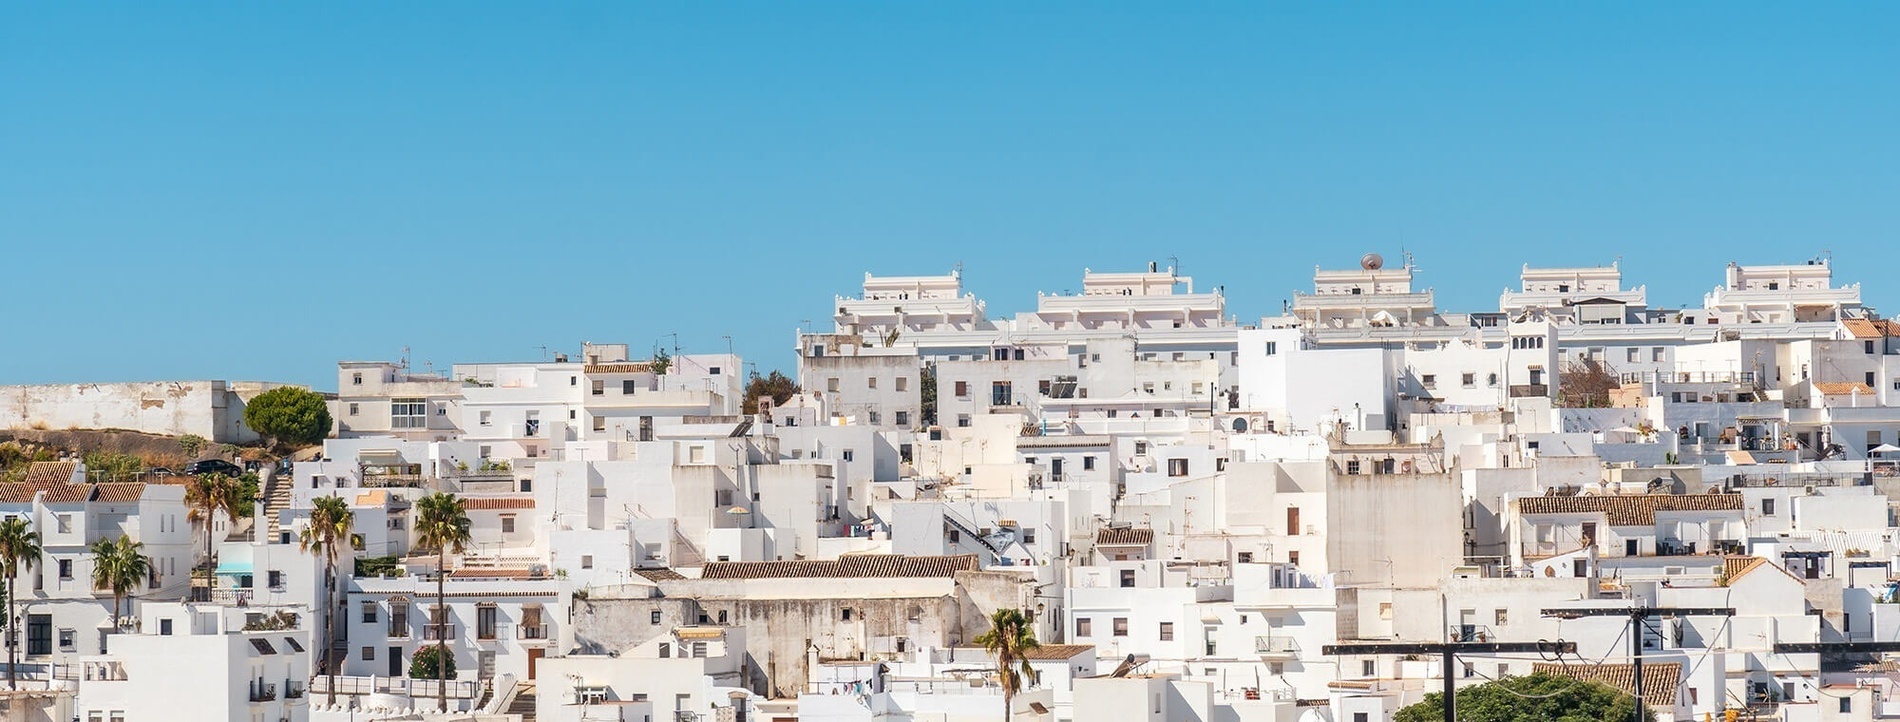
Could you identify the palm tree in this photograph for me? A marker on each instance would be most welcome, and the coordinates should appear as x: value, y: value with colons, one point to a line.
x: 207, y: 495
x: 120, y: 566
x: 442, y: 525
x: 19, y: 551
x: 1011, y: 636
x: 331, y: 522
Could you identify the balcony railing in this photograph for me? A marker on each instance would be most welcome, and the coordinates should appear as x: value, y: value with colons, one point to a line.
x: 1519, y: 391
x: 263, y: 691
x: 531, y: 631
x: 398, y: 629
x: 293, y: 689
x: 433, y: 632
x: 1275, y: 644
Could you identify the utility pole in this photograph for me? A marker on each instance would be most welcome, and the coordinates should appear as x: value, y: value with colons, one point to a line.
x: 1450, y: 651
x: 1639, y: 622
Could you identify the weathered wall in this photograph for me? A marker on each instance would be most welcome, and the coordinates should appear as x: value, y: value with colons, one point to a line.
x: 211, y: 409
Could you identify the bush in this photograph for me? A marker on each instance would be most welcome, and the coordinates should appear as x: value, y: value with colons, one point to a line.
x: 375, y: 566
x: 1532, y: 697
x: 289, y: 415
x: 422, y: 665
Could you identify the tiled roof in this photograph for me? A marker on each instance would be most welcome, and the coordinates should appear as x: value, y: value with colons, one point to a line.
x: 1843, y: 388
x: 64, y: 493
x: 659, y: 575
x: 1052, y: 651
x: 619, y: 368
x: 1871, y: 328
x: 119, y: 491
x: 497, y: 502
x: 1734, y: 568
x: 1659, y: 678
x: 50, y: 472
x: 1628, y: 509
x: 848, y: 567
x: 1125, y: 536
x: 18, y: 493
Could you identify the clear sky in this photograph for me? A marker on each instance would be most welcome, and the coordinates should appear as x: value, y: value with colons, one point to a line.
x: 256, y: 190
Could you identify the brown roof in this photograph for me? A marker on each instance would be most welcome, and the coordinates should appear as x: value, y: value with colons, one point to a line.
x: 1871, y: 328
x: 1125, y: 536
x: 846, y: 567
x: 1659, y: 678
x: 1734, y: 568
x: 1842, y: 388
x: 1058, y: 651
x: 619, y: 368
x: 1628, y: 509
x: 497, y: 502
x: 119, y: 491
x: 659, y: 575
x: 50, y: 472
x: 64, y: 493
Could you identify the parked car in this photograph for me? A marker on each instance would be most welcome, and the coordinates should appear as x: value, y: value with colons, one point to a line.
x: 214, y: 466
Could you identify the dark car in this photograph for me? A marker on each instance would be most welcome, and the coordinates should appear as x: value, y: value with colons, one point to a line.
x: 214, y: 466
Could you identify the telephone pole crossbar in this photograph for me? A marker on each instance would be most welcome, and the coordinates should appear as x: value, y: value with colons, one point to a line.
x: 1450, y: 651
x: 1639, y: 621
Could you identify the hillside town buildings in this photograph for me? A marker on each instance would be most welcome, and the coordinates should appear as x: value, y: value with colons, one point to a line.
x: 1199, y: 513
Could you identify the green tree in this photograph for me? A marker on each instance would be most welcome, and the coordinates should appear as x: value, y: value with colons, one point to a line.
x: 191, y: 444
x: 120, y: 566
x: 422, y: 665
x: 927, y: 395
x: 1533, y: 697
x: 662, y: 361
x: 206, y: 495
x: 442, y: 524
x: 1011, y: 635
x: 19, y: 551
x: 289, y: 415
x: 330, y: 527
x: 776, y: 385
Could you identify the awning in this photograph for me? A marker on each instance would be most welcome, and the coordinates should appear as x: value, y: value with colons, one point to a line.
x: 1740, y: 458
x: 234, y: 568
x: 379, y: 457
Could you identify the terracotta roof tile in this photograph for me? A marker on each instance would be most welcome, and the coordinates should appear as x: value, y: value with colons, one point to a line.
x: 1628, y: 509
x: 1125, y: 536
x: 1843, y: 388
x: 854, y: 566
x: 1660, y: 679
x: 63, y: 493
x: 1871, y: 328
x: 618, y: 368
x: 659, y: 575
x: 119, y: 491
x: 497, y: 502
x: 50, y: 472
x: 493, y: 573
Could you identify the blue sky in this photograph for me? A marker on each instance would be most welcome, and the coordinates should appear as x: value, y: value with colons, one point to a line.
x: 256, y: 191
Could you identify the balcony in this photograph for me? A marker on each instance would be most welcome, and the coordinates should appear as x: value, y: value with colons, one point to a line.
x: 293, y: 689
x: 531, y: 631
x: 434, y: 632
x: 398, y: 629
x: 1276, y: 646
x: 1519, y: 391
x: 263, y: 691
x: 391, y: 475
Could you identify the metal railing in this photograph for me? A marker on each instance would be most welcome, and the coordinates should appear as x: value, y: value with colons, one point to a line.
x: 434, y: 632
x: 263, y: 691
x: 1275, y: 644
x: 531, y: 631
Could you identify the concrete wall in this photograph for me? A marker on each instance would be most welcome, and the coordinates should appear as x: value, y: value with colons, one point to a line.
x: 211, y: 409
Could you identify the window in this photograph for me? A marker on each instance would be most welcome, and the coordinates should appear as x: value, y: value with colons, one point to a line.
x: 1385, y: 611
x: 486, y: 417
x: 1368, y: 668
x: 600, y: 423
x: 871, y: 382
x: 1430, y: 380
x: 369, y: 653
x: 1082, y: 627
x: 1121, y: 627
x: 1000, y: 394
x: 587, y: 562
x: 831, y: 384
x: 1128, y: 578
x: 875, y: 417
x: 847, y: 455
x: 1352, y: 466
x: 485, y: 621
x: 1656, y: 354
x: 408, y: 413
x: 276, y: 576
x: 1177, y: 467
x: 1272, y: 347
x: 1088, y: 462
x: 1141, y: 448
x: 1502, y: 617
x: 845, y: 614
x: 65, y: 523
x: 599, y: 387
x: 1768, y: 507
x: 165, y: 627
x: 508, y: 524
x: 903, y: 418
x: 1244, y: 557
x: 1470, y: 380
x: 369, y: 612
x: 356, y: 379
x: 963, y: 420
x: 398, y: 619
x: 65, y: 569
x: 68, y: 640
x: 1634, y: 355
x: 963, y: 389
x: 654, y: 617
x: 352, y: 409
x: 1491, y: 380
x: 1167, y: 631
x: 1847, y: 703
x: 903, y: 383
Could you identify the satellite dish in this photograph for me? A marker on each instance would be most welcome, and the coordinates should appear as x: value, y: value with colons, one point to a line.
x: 1371, y: 262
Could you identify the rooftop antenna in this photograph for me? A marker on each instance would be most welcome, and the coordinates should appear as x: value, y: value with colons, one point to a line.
x: 405, y: 358
x: 544, y: 352
x: 1174, y: 265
